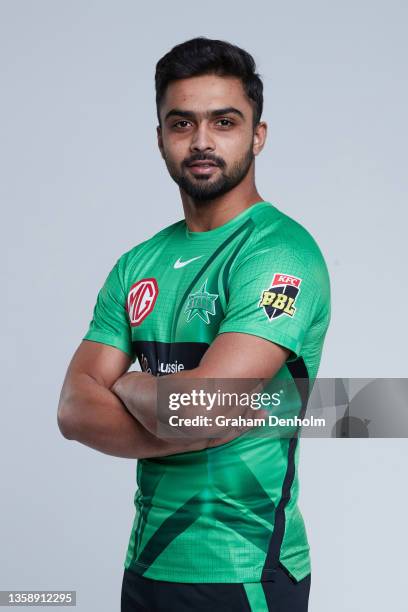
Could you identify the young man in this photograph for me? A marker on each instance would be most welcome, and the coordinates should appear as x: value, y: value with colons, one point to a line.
x: 234, y: 290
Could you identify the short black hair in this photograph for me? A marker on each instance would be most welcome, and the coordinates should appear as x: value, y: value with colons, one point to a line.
x: 201, y: 55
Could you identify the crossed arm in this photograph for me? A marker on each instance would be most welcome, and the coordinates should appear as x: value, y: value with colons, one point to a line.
x: 111, y: 410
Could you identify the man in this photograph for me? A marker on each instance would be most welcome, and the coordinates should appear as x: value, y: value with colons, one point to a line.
x: 235, y: 290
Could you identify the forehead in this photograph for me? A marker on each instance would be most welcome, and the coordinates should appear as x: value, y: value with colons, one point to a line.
x: 206, y: 92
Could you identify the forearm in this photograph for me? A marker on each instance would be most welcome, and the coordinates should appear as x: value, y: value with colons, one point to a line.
x: 139, y: 392
x: 92, y: 415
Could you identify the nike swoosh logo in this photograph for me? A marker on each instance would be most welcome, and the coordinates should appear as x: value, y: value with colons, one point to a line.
x: 181, y: 264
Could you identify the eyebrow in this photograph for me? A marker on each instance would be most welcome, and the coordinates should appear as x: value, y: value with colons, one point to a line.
x: 214, y: 113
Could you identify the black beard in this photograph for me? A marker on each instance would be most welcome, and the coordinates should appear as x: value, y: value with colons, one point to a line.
x: 202, y: 189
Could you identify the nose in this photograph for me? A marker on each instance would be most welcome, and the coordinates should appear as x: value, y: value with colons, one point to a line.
x: 201, y: 140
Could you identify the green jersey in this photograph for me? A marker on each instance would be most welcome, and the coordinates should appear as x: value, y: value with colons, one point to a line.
x: 227, y: 513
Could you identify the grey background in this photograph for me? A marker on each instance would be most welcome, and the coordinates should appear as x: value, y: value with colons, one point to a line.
x: 82, y: 182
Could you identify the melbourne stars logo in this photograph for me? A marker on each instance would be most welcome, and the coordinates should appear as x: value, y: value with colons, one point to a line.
x: 201, y: 304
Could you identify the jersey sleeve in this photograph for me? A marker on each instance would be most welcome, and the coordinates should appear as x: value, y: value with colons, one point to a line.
x: 110, y: 322
x: 277, y: 294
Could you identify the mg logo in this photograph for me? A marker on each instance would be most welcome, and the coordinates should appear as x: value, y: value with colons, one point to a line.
x: 141, y: 299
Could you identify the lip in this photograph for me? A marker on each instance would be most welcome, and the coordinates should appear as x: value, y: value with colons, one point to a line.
x: 202, y: 167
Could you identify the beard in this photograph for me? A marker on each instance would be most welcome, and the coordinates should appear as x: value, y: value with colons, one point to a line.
x: 204, y: 188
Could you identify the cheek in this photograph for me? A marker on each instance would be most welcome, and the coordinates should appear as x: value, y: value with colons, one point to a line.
x: 234, y: 141
x: 235, y: 148
x: 175, y: 150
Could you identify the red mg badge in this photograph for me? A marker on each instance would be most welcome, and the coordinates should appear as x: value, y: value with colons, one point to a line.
x: 141, y: 300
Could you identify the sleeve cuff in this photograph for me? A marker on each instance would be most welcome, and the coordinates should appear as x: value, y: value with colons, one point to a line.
x: 285, y: 340
x: 97, y: 336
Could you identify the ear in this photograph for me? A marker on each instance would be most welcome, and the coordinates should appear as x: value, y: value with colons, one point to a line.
x: 160, y: 140
x: 259, y: 137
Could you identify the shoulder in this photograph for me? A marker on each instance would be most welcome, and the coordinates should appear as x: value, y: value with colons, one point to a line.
x: 127, y: 258
x: 278, y: 237
x: 126, y: 263
x: 281, y: 245
x: 275, y: 229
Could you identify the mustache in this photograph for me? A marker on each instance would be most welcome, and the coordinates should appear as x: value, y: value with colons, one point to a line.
x: 204, y: 157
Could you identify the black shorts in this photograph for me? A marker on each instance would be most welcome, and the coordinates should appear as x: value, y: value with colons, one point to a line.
x: 284, y: 594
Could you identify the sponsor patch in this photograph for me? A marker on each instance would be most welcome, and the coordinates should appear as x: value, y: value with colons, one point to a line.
x: 141, y: 300
x: 280, y: 298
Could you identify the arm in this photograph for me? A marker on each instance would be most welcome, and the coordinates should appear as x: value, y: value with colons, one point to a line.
x: 90, y: 413
x: 253, y: 358
x: 275, y: 294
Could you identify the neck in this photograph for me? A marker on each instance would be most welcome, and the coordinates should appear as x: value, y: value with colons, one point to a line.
x: 203, y: 216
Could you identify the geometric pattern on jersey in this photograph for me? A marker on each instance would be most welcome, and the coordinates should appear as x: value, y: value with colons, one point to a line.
x: 228, y: 513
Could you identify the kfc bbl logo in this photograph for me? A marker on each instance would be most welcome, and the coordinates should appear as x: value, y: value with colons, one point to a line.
x: 279, y: 299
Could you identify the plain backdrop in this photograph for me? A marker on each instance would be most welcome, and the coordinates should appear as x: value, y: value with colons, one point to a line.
x: 82, y: 182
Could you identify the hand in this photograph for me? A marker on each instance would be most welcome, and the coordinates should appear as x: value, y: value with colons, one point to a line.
x: 123, y: 386
x: 137, y: 391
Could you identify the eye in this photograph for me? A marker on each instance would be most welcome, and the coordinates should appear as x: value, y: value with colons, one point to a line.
x: 225, y: 122
x: 182, y: 121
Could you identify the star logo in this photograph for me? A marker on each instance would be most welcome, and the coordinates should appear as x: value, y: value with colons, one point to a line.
x: 201, y: 304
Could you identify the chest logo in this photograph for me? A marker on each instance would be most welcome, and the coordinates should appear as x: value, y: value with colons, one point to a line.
x: 141, y: 299
x: 280, y: 297
x: 181, y: 264
x: 201, y: 304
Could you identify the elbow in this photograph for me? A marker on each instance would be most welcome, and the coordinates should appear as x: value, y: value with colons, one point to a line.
x: 65, y: 422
